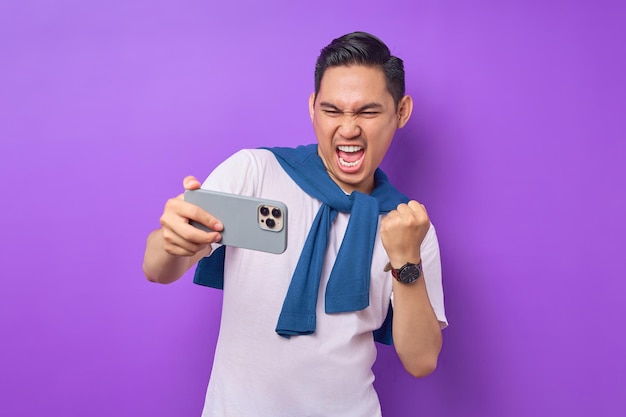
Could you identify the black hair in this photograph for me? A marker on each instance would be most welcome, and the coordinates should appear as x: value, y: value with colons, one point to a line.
x: 361, y: 48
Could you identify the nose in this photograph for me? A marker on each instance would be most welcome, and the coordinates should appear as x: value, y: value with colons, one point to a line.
x: 349, y: 127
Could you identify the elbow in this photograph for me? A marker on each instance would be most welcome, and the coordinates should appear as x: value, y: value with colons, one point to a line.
x: 148, y: 274
x: 158, y: 280
x: 152, y: 277
x: 419, y: 364
x: 421, y: 368
x: 419, y: 360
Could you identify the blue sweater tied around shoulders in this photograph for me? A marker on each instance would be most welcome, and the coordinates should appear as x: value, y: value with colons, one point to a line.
x: 349, y: 282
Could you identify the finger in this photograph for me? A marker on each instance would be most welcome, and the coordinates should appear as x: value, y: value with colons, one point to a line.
x: 178, y: 209
x: 417, y: 207
x: 187, y: 236
x: 404, y: 208
x: 176, y: 245
x: 179, y: 250
x: 197, y: 236
x: 196, y: 213
x: 191, y: 183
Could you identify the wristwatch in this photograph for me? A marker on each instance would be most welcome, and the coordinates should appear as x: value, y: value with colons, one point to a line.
x: 406, y: 274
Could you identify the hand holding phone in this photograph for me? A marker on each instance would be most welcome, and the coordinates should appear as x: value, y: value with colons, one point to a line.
x: 249, y: 222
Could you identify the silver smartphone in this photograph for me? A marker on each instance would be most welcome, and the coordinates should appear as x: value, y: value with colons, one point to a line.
x: 249, y: 222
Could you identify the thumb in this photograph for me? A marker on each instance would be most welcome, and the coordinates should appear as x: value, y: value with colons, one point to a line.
x: 191, y: 183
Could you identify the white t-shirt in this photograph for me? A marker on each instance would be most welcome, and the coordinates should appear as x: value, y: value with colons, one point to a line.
x: 256, y: 372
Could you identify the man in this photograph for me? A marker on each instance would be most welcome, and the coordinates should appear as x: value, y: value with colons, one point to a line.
x: 298, y: 329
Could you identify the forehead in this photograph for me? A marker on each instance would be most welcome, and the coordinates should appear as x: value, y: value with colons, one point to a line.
x: 347, y: 86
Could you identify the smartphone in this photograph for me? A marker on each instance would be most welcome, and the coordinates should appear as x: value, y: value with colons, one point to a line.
x: 249, y: 222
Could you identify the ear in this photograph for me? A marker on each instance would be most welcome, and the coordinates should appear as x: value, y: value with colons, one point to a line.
x: 405, y: 108
x: 312, y: 105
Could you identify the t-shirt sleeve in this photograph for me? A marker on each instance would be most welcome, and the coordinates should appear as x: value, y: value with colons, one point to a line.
x: 237, y: 174
x: 431, y: 264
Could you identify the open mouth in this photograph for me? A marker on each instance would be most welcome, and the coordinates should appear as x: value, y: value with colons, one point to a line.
x: 350, y: 156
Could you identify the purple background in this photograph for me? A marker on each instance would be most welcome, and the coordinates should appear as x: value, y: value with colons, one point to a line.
x: 516, y: 146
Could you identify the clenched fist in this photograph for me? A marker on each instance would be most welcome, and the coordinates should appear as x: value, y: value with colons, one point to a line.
x: 402, y: 231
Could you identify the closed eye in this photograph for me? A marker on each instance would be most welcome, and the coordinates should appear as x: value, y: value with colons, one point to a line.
x: 367, y: 111
x: 332, y: 113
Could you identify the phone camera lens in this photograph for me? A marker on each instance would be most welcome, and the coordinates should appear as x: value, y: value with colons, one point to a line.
x: 264, y: 211
x: 276, y: 212
x: 270, y: 223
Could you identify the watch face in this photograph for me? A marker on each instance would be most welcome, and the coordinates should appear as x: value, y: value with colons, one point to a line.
x: 409, y: 273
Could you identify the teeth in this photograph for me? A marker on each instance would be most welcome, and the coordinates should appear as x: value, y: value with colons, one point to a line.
x: 349, y: 164
x: 349, y: 148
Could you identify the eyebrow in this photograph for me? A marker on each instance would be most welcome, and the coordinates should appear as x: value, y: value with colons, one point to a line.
x: 368, y: 106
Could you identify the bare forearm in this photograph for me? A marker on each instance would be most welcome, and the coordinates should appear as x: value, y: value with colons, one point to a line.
x: 416, y: 330
x: 162, y: 267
